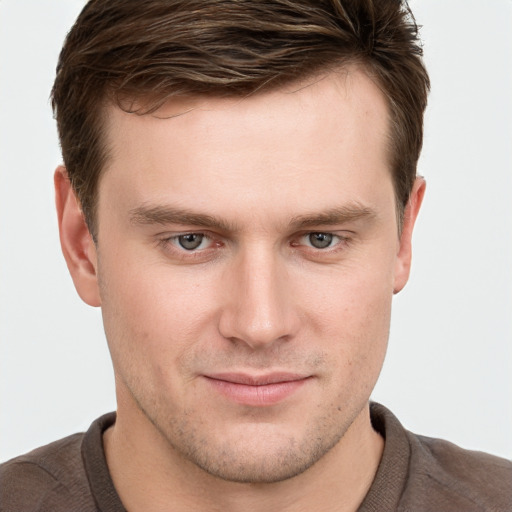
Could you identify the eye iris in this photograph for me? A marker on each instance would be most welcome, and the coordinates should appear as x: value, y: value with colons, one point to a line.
x: 190, y: 241
x: 320, y: 240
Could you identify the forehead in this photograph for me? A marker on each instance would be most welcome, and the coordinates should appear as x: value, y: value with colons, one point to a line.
x: 347, y: 93
x: 324, y: 138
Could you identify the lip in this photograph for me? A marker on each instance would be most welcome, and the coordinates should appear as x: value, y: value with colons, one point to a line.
x: 257, y: 390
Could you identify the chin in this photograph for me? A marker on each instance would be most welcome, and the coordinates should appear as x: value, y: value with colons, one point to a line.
x: 258, y: 455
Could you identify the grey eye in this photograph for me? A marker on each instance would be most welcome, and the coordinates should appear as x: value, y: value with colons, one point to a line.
x: 320, y: 240
x: 190, y: 241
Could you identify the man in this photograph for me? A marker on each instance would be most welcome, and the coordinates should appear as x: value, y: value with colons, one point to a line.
x: 239, y: 196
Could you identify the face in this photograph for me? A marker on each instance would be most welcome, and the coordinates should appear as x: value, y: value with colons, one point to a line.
x: 246, y: 259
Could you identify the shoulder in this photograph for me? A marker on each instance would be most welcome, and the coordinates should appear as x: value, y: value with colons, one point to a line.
x: 424, y: 474
x: 48, y: 478
x: 442, y: 472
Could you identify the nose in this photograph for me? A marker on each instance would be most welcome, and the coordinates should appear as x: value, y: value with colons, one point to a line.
x: 259, y: 310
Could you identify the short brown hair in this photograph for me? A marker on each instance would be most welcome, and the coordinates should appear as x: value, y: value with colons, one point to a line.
x: 121, y: 51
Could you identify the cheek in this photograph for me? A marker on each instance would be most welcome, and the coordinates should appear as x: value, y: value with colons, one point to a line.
x: 351, y: 313
x: 150, y: 317
x: 148, y: 293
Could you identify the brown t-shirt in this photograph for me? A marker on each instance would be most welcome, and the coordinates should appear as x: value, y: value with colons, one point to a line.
x: 416, y: 474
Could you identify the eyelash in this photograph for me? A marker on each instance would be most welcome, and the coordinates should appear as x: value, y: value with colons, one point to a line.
x: 171, y: 244
x: 341, y: 240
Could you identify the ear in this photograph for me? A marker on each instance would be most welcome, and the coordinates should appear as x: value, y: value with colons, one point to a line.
x: 76, y: 241
x: 403, y: 260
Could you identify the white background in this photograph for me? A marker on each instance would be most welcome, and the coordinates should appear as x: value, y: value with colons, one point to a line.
x: 449, y: 366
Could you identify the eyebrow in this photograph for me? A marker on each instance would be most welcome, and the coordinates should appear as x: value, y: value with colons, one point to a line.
x: 333, y: 216
x: 147, y: 215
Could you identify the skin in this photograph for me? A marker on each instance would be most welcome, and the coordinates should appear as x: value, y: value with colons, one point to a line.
x: 255, y: 177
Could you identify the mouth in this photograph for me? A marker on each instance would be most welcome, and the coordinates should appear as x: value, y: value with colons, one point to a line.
x: 257, y: 390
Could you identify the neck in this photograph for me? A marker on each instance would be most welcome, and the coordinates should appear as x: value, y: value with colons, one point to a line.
x: 150, y: 476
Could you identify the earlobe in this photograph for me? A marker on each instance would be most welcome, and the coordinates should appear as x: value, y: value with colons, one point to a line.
x: 76, y: 241
x: 404, y: 256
